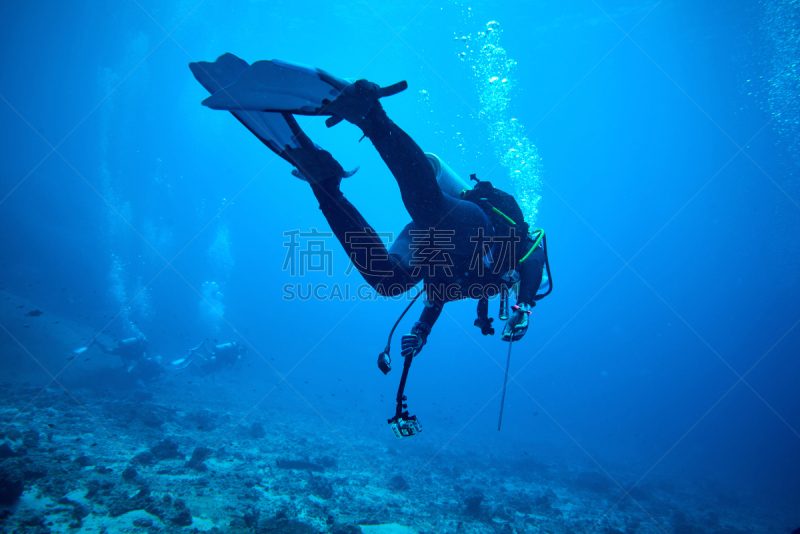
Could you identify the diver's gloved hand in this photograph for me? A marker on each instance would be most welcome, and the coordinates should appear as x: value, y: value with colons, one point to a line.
x: 485, y: 324
x: 315, y: 165
x: 355, y: 102
x: 412, y: 343
x: 517, y: 324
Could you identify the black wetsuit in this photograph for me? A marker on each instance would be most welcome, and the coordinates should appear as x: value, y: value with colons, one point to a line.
x: 397, y: 270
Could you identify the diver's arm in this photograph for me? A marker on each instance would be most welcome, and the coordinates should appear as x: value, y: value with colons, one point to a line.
x: 430, y: 314
x: 412, y: 343
x: 530, y: 272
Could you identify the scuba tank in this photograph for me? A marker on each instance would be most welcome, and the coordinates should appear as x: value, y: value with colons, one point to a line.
x: 449, y: 182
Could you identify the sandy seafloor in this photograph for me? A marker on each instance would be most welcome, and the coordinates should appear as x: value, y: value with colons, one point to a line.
x: 150, y: 460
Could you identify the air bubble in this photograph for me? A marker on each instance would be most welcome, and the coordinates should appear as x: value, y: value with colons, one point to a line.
x: 507, y: 135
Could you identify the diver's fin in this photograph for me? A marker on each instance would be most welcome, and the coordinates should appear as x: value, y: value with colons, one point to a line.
x: 270, y: 128
x: 313, y: 164
x: 297, y: 174
x: 278, y: 86
x: 279, y: 131
x: 389, y: 90
x: 220, y: 74
x: 81, y: 350
x: 183, y: 363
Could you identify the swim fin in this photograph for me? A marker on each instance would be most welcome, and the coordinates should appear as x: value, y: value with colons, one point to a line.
x: 276, y: 85
x: 270, y: 128
x: 81, y: 350
x: 279, y: 131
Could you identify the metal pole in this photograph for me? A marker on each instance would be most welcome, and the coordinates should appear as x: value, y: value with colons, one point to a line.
x: 505, y: 381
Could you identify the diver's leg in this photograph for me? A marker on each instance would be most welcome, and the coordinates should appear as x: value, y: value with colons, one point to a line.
x: 428, y: 206
x: 361, y: 243
x: 403, y: 247
x: 386, y: 272
x: 409, y: 165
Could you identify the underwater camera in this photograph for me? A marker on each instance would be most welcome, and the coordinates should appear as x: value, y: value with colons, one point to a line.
x: 405, y: 426
x: 384, y: 362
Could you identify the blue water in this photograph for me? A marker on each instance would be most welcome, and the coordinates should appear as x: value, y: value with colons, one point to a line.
x: 669, y: 148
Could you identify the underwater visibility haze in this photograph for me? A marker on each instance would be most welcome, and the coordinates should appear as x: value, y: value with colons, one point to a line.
x: 187, y: 343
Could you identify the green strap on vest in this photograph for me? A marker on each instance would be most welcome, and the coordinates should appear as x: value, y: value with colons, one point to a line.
x: 509, y: 219
x: 535, y: 243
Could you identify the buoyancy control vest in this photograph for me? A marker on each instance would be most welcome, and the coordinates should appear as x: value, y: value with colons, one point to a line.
x: 507, y: 220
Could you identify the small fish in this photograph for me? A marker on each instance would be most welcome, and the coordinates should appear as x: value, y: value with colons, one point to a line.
x: 18, y: 307
x: 34, y: 313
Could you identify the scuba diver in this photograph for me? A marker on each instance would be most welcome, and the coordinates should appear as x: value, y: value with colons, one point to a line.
x: 131, y: 350
x: 461, y: 243
x: 208, y: 358
x: 134, y: 353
